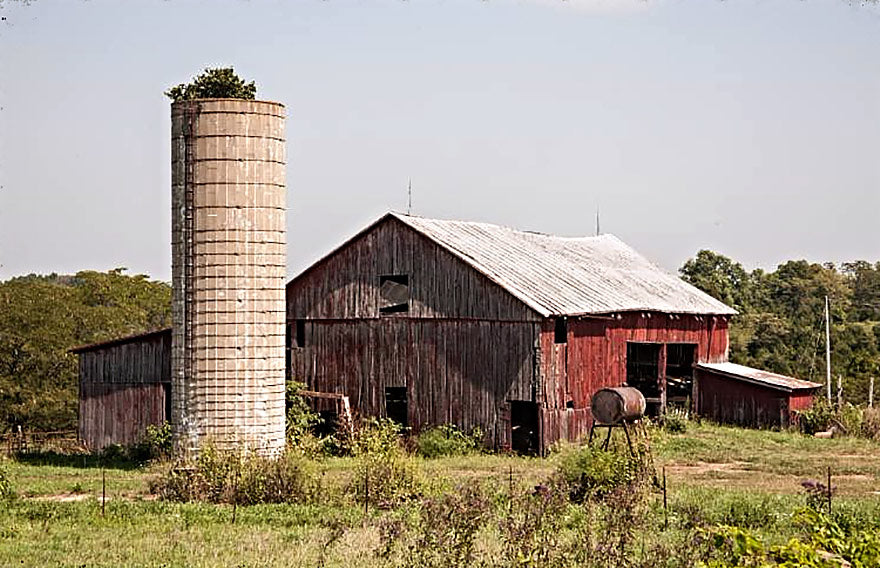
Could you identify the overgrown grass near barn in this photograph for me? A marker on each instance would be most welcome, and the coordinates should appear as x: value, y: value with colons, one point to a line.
x: 715, y: 476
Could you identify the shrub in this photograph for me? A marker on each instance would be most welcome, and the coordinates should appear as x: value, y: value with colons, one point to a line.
x: 591, y: 472
x: 425, y: 542
x: 301, y: 422
x: 221, y: 83
x: 871, y: 424
x: 6, y: 490
x: 385, y: 474
x: 817, y: 418
x: 448, y: 440
x: 675, y: 421
x: 226, y: 477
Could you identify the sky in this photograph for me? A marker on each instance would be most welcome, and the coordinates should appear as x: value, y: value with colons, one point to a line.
x: 751, y: 128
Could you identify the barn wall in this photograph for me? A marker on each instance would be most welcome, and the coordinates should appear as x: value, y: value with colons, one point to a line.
x: 594, y: 357
x: 123, y: 390
x: 346, y: 284
x: 731, y: 401
x: 460, y: 372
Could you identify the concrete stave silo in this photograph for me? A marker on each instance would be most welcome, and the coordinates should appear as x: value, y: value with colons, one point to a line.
x: 228, y: 271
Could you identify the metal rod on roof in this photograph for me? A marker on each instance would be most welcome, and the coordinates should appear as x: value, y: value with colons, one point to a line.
x: 409, y: 197
x: 827, y: 349
x: 597, y: 220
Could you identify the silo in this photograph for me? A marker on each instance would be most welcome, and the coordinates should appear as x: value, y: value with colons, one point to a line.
x: 228, y: 270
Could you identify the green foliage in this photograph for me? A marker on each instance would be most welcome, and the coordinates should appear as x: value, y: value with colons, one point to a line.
x: 226, y: 477
x: 780, y: 326
x: 156, y: 444
x: 593, y: 473
x: 214, y: 83
x: 7, y: 492
x: 448, y: 440
x: 828, y: 545
x: 385, y: 475
x: 41, y: 317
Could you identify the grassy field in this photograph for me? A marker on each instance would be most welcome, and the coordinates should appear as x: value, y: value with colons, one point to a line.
x: 715, y: 475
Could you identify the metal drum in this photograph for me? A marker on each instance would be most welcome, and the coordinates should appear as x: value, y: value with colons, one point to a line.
x: 618, y: 404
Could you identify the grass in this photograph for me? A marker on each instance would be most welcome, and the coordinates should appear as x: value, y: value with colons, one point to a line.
x: 715, y: 474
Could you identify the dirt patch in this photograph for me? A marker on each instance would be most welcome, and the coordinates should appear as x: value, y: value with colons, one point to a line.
x: 700, y: 468
x: 63, y: 497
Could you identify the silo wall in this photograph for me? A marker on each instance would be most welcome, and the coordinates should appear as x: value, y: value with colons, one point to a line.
x: 228, y: 271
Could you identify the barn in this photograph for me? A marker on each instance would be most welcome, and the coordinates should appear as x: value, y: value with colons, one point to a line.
x: 736, y: 394
x: 430, y: 321
x: 125, y: 386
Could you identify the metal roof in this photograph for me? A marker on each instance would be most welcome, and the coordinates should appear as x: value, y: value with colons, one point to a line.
x: 757, y: 376
x: 120, y: 341
x: 566, y: 275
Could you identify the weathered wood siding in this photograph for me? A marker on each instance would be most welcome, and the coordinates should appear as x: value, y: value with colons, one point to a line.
x: 730, y: 401
x: 345, y: 285
x: 123, y: 389
x: 594, y: 357
x: 459, y: 372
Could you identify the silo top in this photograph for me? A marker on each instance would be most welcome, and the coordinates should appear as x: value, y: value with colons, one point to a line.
x: 229, y: 106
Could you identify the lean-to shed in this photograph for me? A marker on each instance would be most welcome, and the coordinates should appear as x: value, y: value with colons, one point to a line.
x: 431, y: 321
x: 736, y: 394
x: 125, y: 386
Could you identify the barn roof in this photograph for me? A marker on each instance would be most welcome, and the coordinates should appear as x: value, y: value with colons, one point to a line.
x: 120, y: 341
x: 566, y: 275
x: 757, y: 376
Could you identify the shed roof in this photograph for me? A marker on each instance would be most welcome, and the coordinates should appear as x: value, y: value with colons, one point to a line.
x: 566, y: 275
x: 120, y: 340
x: 757, y: 376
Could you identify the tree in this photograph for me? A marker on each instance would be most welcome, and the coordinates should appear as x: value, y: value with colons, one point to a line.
x: 217, y: 83
x: 719, y: 277
x: 42, y: 317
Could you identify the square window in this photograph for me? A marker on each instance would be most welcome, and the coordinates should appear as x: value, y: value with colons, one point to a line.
x: 393, y: 294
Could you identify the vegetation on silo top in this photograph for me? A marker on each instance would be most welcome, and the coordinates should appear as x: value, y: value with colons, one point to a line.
x: 216, y: 83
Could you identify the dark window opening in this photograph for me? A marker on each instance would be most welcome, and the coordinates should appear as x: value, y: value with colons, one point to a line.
x: 396, y: 405
x: 393, y: 294
x: 569, y: 404
x: 300, y: 333
x: 560, y: 332
x: 643, y: 372
x: 524, y: 427
x: 680, y: 372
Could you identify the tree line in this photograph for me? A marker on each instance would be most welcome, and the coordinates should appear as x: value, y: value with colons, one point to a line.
x: 779, y: 326
x: 43, y: 317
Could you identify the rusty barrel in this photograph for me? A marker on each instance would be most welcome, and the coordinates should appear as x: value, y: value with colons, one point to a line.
x: 614, y: 405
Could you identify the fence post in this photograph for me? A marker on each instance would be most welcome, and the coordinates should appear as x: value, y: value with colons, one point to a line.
x: 665, y: 509
x: 871, y: 393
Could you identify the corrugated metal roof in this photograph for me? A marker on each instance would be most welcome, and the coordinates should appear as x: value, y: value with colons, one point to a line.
x: 765, y: 378
x: 120, y: 340
x: 567, y: 275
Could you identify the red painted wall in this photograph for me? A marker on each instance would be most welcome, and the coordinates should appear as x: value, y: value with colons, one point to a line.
x: 730, y: 401
x: 594, y: 357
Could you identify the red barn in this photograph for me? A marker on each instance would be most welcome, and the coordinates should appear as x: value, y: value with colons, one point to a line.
x: 430, y: 322
x: 736, y: 394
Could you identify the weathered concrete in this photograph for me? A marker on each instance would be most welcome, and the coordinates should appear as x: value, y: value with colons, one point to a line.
x: 228, y: 270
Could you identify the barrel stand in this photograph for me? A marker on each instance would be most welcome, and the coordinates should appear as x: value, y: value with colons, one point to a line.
x: 622, y: 424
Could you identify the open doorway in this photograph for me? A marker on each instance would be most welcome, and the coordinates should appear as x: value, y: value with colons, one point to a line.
x: 524, y: 427
x: 396, y: 405
x: 643, y: 373
x: 680, y: 373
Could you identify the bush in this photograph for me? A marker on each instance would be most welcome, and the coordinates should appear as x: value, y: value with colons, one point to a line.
x: 219, y: 83
x: 676, y: 421
x: 226, y: 477
x: 6, y: 490
x: 817, y: 418
x: 591, y: 472
x: 385, y: 474
x: 448, y: 440
x: 301, y: 422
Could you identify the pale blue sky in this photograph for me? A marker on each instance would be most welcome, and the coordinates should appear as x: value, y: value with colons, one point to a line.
x: 748, y: 127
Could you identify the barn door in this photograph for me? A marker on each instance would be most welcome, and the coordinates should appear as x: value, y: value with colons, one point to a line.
x: 524, y: 427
